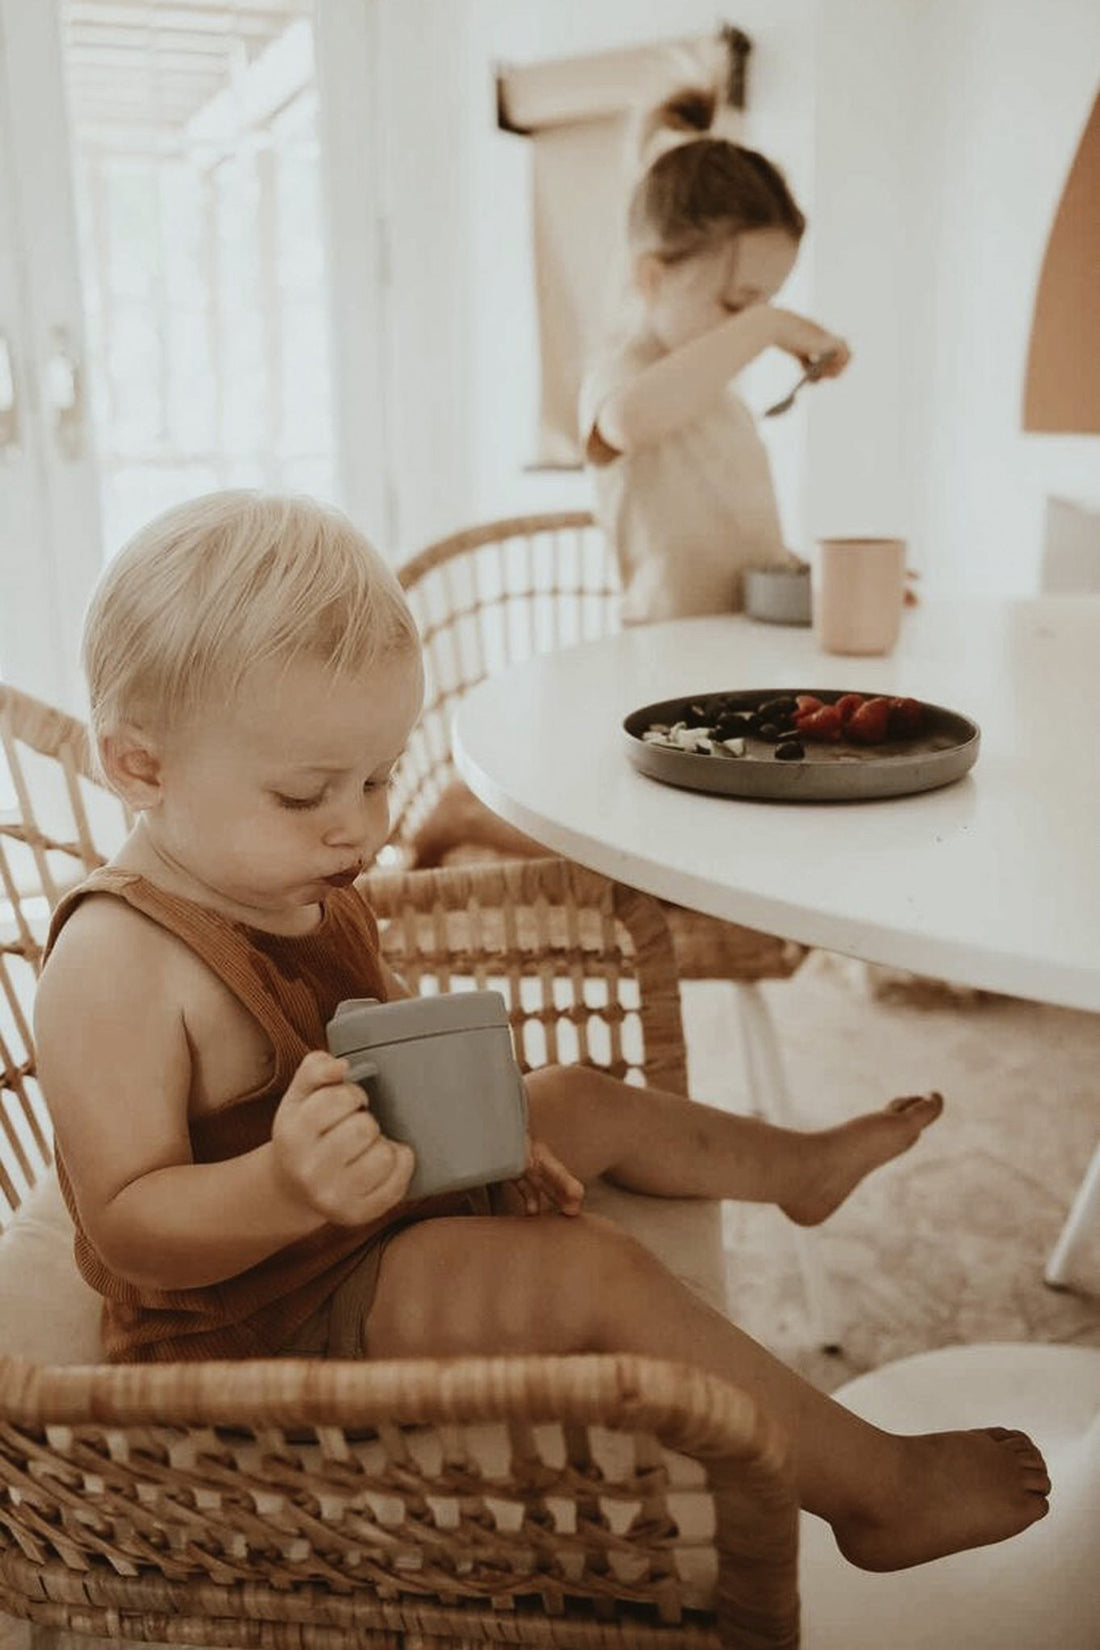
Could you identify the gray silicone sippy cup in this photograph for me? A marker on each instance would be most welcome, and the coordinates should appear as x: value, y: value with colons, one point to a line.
x: 440, y: 1073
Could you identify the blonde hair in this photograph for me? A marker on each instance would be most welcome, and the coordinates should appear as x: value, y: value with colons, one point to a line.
x: 214, y: 587
x: 705, y: 191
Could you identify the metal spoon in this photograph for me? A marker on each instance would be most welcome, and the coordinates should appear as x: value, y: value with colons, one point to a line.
x: 810, y: 376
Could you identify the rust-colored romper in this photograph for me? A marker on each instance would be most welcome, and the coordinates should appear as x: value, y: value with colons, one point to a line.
x: 313, y: 1295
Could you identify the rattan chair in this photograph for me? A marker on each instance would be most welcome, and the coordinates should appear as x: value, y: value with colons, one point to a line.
x: 502, y: 592
x: 427, y: 1505
x: 506, y: 591
x: 610, y: 1502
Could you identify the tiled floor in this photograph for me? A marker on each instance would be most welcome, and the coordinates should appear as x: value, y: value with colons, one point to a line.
x: 946, y: 1244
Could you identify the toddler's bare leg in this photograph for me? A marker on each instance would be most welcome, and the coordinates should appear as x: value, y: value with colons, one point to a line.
x: 551, y: 1285
x: 652, y: 1141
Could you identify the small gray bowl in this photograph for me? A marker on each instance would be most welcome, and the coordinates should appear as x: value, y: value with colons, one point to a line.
x: 778, y: 595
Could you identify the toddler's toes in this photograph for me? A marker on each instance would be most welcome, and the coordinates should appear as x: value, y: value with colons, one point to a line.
x: 1033, y: 1468
x: 922, y: 1106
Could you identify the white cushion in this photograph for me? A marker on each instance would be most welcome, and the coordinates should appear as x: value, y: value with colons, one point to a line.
x: 684, y: 1233
x: 50, y: 1315
x: 47, y: 1312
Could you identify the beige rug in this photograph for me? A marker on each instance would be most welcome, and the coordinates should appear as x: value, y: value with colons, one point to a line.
x: 944, y: 1245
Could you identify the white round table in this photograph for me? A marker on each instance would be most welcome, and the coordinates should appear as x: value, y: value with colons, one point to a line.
x: 993, y: 881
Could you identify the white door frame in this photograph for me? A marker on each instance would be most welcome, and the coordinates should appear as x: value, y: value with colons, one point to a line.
x: 50, y: 552
x: 348, y: 54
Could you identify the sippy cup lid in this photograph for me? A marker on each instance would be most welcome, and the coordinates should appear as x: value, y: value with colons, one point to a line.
x: 363, y: 1022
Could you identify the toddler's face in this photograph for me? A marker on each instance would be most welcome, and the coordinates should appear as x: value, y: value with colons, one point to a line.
x: 283, y: 796
x: 687, y: 299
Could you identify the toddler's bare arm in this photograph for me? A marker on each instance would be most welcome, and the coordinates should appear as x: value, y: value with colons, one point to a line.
x: 115, y: 1065
x: 685, y: 382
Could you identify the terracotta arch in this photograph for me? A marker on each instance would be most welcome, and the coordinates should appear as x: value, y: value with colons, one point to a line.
x: 1062, y: 387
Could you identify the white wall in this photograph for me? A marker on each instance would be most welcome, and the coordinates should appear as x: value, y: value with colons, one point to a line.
x: 1009, y: 87
x: 927, y: 140
x: 859, y: 475
x: 943, y: 133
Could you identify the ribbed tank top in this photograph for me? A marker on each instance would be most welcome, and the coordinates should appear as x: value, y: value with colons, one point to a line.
x: 291, y: 985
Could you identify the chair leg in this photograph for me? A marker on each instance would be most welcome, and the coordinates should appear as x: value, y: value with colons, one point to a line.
x: 1084, y: 1212
x: 769, y: 1097
x: 756, y: 1081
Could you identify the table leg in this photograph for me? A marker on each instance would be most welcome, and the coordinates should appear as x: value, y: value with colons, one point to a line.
x: 1084, y: 1213
x: 770, y: 1098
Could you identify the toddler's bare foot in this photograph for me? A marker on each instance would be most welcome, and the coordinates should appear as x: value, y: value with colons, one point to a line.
x: 952, y: 1491
x: 836, y: 1160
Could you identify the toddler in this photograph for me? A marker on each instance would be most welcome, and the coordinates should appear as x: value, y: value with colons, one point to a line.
x: 254, y: 673
x: 683, y: 486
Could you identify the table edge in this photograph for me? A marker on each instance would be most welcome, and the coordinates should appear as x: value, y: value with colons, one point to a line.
x: 1050, y: 982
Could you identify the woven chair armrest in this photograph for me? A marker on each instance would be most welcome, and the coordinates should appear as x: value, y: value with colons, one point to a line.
x: 741, y: 1450
x: 526, y: 912
x: 686, y: 1408
x: 513, y: 882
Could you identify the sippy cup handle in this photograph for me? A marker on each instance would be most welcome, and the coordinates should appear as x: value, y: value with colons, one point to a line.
x: 363, y: 1070
x: 360, y: 1069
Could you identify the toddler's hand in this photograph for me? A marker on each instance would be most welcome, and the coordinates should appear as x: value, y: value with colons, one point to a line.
x: 546, y: 1184
x: 329, y: 1151
x: 808, y: 342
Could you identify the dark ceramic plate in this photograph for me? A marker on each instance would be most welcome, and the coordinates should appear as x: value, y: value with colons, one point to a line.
x: 944, y: 750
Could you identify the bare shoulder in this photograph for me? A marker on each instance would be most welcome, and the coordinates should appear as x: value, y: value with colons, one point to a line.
x: 106, y: 956
x: 105, y: 934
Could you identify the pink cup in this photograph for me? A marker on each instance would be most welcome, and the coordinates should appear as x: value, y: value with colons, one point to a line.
x: 858, y: 592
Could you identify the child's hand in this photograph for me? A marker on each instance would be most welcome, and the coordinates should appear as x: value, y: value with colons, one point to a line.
x: 546, y: 1184
x: 808, y: 342
x: 329, y: 1151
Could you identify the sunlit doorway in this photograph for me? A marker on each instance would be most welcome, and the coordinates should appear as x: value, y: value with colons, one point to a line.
x: 190, y: 214
x: 198, y: 192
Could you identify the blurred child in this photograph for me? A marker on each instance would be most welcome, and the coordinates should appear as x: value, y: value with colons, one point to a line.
x: 683, y: 485
x: 254, y: 674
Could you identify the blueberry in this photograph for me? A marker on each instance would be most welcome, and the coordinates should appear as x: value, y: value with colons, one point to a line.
x: 695, y: 714
x: 732, y: 725
x: 790, y: 750
x: 779, y: 708
x: 771, y: 731
x: 761, y: 719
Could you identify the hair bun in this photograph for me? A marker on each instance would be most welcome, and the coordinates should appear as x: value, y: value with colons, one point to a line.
x: 689, y: 111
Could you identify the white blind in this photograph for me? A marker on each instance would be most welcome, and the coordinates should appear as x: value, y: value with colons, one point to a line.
x: 582, y: 115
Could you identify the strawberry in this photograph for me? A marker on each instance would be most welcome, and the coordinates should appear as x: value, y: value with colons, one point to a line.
x: 823, y: 724
x: 848, y: 703
x: 805, y: 702
x: 868, y: 723
x: 906, y: 716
